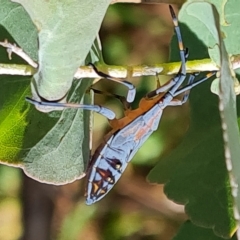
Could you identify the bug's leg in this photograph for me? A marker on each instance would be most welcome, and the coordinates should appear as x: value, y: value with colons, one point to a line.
x: 175, y: 82
x: 126, y: 105
x: 109, y: 114
x: 157, y: 81
x: 131, y: 88
x: 192, y: 84
x: 180, y: 77
x: 183, y: 54
x: 114, y: 123
x: 18, y: 51
x: 167, y: 85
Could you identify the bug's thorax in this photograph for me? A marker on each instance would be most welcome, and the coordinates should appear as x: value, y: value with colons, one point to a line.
x: 145, y: 105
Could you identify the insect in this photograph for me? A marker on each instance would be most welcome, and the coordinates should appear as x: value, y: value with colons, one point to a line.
x: 129, y: 133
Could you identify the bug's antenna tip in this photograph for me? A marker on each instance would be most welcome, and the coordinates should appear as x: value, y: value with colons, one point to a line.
x: 173, y: 15
x: 171, y: 10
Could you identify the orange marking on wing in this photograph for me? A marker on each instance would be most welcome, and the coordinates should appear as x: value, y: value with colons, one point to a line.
x: 144, y: 129
x: 103, y: 173
x: 95, y: 187
x: 102, y: 191
x: 140, y: 133
x: 131, y: 131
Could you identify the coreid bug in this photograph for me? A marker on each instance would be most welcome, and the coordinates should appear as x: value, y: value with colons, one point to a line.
x: 129, y: 133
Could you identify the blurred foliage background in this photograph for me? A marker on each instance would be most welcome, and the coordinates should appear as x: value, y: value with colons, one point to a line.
x: 130, y: 34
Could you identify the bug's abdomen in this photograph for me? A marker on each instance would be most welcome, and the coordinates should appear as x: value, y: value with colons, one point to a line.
x: 111, y: 159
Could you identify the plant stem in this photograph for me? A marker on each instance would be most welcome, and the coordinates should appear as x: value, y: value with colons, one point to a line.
x: 178, y: 2
x: 126, y: 71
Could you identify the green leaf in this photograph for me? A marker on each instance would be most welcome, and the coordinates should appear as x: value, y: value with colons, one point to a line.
x: 228, y: 112
x: 188, y: 231
x: 52, y: 148
x: 13, y: 112
x: 196, y: 16
x: 61, y: 156
x: 17, y: 22
x: 66, y: 32
x: 231, y: 30
x: 198, y: 22
x: 195, y: 172
x: 48, y: 149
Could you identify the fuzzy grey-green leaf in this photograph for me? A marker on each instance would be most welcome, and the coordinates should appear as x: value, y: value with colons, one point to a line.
x: 18, y: 23
x: 66, y: 31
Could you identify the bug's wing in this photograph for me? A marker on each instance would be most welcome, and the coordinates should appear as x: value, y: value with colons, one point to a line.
x: 114, y: 156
